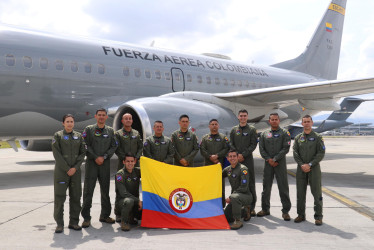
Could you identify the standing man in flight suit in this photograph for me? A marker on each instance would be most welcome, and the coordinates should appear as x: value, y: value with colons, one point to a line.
x: 157, y: 146
x: 185, y: 143
x: 69, y: 151
x: 213, y: 148
x: 308, y: 151
x: 101, y: 145
x: 127, y: 189
x: 240, y: 194
x: 243, y: 139
x: 129, y: 140
x: 274, y: 145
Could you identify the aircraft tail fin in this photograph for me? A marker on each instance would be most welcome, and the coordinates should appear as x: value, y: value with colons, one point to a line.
x: 321, y: 56
x: 348, y: 105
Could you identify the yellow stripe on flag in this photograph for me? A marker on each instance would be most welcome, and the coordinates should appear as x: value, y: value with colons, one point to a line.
x: 162, y: 179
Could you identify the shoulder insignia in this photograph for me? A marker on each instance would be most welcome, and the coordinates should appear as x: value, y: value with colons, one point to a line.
x: 245, y: 172
x: 119, y: 178
x: 84, y: 134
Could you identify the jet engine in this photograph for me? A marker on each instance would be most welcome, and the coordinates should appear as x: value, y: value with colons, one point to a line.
x: 36, y: 145
x: 146, y: 111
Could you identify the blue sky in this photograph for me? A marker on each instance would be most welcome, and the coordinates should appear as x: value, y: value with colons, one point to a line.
x: 250, y: 31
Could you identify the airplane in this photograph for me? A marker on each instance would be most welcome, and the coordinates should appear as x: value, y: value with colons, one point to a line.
x: 44, y: 76
x: 336, y: 119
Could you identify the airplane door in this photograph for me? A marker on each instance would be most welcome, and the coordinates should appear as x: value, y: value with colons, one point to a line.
x: 177, y: 80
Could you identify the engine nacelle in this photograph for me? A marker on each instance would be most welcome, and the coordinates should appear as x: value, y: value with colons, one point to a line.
x: 36, y: 145
x: 146, y: 111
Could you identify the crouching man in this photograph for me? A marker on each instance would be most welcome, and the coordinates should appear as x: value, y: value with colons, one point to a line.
x: 240, y: 197
x: 127, y: 190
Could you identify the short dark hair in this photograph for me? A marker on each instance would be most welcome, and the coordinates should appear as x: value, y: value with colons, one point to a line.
x: 158, y: 121
x: 307, y: 116
x: 273, y: 114
x: 213, y: 120
x: 66, y: 116
x: 243, y: 111
x: 232, y: 151
x: 184, y: 116
x: 129, y: 154
x: 101, y: 110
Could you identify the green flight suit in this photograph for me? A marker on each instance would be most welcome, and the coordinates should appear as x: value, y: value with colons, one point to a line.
x: 127, y: 189
x: 159, y: 149
x: 244, y: 140
x: 69, y: 150
x: 185, y: 145
x: 240, y: 193
x: 275, y: 144
x: 100, y: 142
x: 309, y: 149
x: 217, y: 144
x: 128, y: 142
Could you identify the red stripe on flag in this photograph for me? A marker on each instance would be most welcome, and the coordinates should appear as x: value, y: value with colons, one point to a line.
x: 154, y: 219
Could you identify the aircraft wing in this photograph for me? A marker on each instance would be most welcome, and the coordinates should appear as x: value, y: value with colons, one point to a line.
x: 315, y: 95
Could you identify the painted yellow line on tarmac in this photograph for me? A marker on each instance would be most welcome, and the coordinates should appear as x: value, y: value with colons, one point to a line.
x: 344, y: 200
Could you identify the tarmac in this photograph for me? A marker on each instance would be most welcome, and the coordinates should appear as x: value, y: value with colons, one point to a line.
x: 26, y: 205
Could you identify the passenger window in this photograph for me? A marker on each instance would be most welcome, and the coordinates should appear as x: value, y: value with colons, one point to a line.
x: 158, y: 74
x: 247, y: 83
x: 199, y: 79
x: 126, y: 71
x: 217, y: 81
x: 189, y: 78
x: 43, y: 63
x: 101, y: 69
x: 240, y: 83
x: 225, y: 82
x: 208, y: 80
x: 167, y: 76
x: 27, y: 62
x: 177, y: 77
x: 232, y: 82
x: 59, y: 65
x: 10, y: 60
x: 74, y: 66
x: 87, y: 68
x: 137, y: 72
x: 147, y: 73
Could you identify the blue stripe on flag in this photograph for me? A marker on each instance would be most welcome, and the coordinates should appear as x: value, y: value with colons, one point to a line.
x: 201, y: 209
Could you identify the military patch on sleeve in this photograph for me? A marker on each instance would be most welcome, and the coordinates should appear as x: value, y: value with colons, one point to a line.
x: 226, y: 139
x: 84, y: 134
x: 288, y: 133
x: 145, y: 144
x: 245, y: 172
x: 244, y: 181
x: 119, y: 178
x: 53, y: 141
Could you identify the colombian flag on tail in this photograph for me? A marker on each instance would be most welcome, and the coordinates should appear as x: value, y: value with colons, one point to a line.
x: 180, y: 197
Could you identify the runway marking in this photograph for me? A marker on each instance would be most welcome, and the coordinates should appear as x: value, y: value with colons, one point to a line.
x: 364, y: 210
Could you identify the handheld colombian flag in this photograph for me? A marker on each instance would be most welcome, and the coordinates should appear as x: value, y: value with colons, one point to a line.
x: 180, y: 197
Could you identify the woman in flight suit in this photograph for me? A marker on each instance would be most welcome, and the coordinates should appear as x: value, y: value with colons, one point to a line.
x: 69, y: 150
